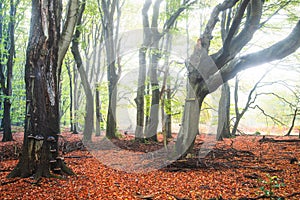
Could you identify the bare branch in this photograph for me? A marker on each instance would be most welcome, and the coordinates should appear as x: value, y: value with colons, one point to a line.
x: 207, y: 35
x: 276, y: 121
x: 275, y: 13
x: 170, y: 22
x: 277, y: 51
x: 234, y: 45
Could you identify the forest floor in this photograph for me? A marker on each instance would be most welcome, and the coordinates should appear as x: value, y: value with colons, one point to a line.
x: 246, y: 167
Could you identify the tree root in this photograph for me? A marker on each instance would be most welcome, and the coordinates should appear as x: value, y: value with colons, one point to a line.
x: 265, y: 139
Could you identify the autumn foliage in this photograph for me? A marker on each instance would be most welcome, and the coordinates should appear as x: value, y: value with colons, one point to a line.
x: 238, y: 168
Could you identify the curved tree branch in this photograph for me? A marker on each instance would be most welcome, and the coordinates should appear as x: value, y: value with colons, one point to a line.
x: 207, y: 35
x: 232, y: 46
x: 170, y: 22
x: 277, y: 51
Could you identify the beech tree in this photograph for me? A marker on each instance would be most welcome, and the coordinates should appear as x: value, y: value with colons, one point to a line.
x: 7, y: 54
x: 151, y: 43
x: 206, y: 72
x: 89, y: 116
x: 45, y: 51
x: 109, y: 10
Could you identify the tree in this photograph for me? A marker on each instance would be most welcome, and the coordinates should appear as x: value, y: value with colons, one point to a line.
x: 151, y: 42
x: 223, y: 130
x: 208, y: 72
x: 139, y: 100
x: 89, y: 115
x: 108, y: 10
x: 42, y: 75
x: 7, y: 35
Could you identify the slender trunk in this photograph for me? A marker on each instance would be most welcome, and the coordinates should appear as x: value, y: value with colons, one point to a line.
x: 151, y: 133
x: 110, y: 37
x: 167, y: 91
x: 7, y: 90
x: 224, y: 113
x: 89, y: 106
x: 238, y: 115
x: 76, y: 97
x: 236, y: 124
x: 7, y: 134
x: 98, y: 111
x: 139, y: 100
x: 293, y: 122
x: 111, y: 125
x: 168, y: 120
x: 71, y: 96
x: 147, y: 106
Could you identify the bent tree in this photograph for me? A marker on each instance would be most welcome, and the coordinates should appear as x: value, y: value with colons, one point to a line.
x: 208, y: 72
x: 42, y: 74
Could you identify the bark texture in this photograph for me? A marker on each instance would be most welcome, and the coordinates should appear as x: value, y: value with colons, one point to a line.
x: 89, y: 106
x: 40, y: 147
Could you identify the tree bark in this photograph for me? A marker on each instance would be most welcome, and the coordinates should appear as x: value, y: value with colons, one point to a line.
x: 293, y: 122
x: 139, y: 100
x: 223, y: 130
x: 7, y: 90
x: 89, y: 106
x: 140, y: 97
x: 190, y: 120
x: 98, y: 111
x: 71, y: 96
x: 168, y: 109
x: 76, y: 99
x: 107, y: 11
x: 68, y: 30
x: 40, y: 146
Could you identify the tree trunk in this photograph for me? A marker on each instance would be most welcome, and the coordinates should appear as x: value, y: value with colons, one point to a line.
x: 190, y: 120
x: 40, y: 146
x: 110, y: 38
x: 98, y: 111
x: 89, y: 106
x: 148, y: 105
x: 7, y: 90
x: 223, y: 130
x: 71, y: 96
x: 7, y: 134
x: 111, y: 125
x: 140, y: 97
x: 139, y: 100
x: 293, y: 122
x: 168, y: 120
x: 151, y: 131
x: 76, y: 99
